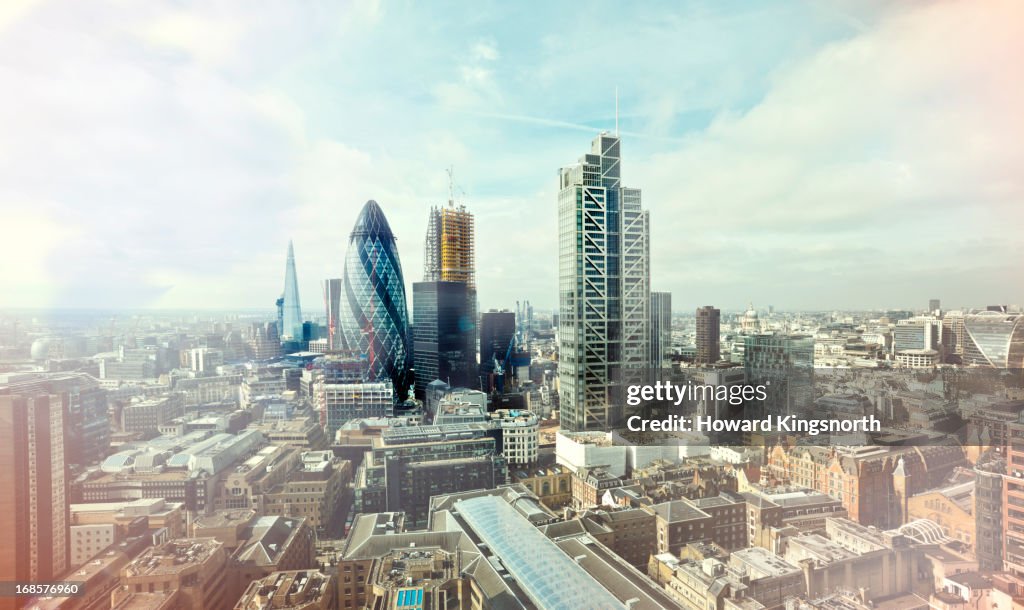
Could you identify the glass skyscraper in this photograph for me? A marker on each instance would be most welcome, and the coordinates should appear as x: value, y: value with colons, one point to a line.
x: 444, y: 334
x: 374, y: 318
x: 291, y: 311
x: 604, y: 289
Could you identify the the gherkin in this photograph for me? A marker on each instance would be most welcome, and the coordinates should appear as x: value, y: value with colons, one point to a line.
x: 374, y: 318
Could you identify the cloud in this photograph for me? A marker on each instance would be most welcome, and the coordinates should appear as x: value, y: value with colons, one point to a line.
x: 873, y: 160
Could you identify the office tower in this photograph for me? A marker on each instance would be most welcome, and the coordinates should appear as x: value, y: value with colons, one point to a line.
x: 332, y: 299
x: 916, y: 334
x: 661, y: 332
x: 934, y: 305
x: 953, y: 333
x: 344, y: 401
x: 34, y: 505
x: 291, y: 329
x: 444, y: 334
x: 604, y: 288
x: 709, y: 325
x: 785, y: 363
x: 448, y: 253
x: 497, y: 342
x: 374, y: 318
x: 994, y: 339
x: 444, y: 303
x: 988, y: 512
x: 1013, y: 497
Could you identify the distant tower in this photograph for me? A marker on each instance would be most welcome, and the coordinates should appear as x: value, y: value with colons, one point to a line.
x: 900, y: 486
x: 332, y: 302
x: 934, y: 305
x: 373, y: 313
x: 603, y: 287
x: 292, y: 312
x: 709, y: 325
x: 750, y: 325
x: 661, y: 333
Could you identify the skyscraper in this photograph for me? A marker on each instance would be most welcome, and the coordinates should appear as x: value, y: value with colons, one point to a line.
x: 444, y: 334
x: 374, y: 318
x: 709, y: 325
x: 332, y: 300
x: 291, y: 320
x: 661, y: 332
x: 34, y: 506
x: 444, y: 303
x: 784, y: 363
x: 604, y: 288
x: 448, y: 252
x: 497, y: 333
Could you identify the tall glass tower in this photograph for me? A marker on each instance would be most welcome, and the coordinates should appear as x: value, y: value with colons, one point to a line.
x: 291, y: 313
x: 604, y: 289
x: 374, y: 319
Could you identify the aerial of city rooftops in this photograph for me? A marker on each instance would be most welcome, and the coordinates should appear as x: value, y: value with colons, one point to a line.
x: 750, y: 342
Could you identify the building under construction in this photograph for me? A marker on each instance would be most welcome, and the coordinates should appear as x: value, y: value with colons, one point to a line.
x: 449, y: 254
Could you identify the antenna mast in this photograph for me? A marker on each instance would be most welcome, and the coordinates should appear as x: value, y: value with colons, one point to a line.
x: 451, y: 185
x: 616, y: 112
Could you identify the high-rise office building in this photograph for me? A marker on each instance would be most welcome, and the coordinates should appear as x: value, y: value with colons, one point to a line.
x: 497, y: 337
x: 374, y: 318
x: 34, y: 506
x: 444, y: 334
x: 994, y: 339
x: 332, y: 306
x: 785, y: 363
x: 291, y: 314
x: 604, y: 288
x: 709, y: 325
x: 934, y: 305
x: 444, y: 303
x: 661, y: 331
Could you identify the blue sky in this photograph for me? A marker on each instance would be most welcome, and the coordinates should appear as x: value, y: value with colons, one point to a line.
x: 809, y: 155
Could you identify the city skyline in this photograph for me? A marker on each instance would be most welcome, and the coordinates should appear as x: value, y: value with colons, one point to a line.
x: 230, y: 137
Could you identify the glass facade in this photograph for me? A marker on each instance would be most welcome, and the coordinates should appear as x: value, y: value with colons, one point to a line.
x: 994, y: 339
x: 291, y: 311
x: 374, y: 318
x: 444, y: 334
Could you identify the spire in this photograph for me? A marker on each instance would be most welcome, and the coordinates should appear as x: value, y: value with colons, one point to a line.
x: 291, y: 318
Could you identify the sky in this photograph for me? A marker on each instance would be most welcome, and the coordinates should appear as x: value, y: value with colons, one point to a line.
x: 807, y: 155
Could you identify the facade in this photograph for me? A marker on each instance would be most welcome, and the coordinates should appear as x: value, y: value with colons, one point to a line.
x: 291, y: 313
x: 994, y: 339
x: 343, y: 402
x: 709, y: 324
x: 787, y: 362
x: 147, y: 416
x: 497, y: 336
x: 444, y: 334
x: 374, y: 318
x: 604, y: 289
x: 332, y: 308
x: 34, y: 505
x: 408, y: 465
x: 916, y: 334
x: 661, y: 332
x: 1013, y: 501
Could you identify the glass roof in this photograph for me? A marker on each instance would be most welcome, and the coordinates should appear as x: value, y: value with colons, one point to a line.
x: 551, y: 578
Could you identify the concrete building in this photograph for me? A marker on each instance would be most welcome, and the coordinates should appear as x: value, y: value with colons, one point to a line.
x: 292, y: 590
x: 195, y: 569
x: 146, y: 417
x: 709, y: 321
x: 34, y: 504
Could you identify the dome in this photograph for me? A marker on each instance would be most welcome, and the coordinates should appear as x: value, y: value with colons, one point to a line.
x: 40, y: 349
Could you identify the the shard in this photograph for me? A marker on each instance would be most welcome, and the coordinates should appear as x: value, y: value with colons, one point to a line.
x: 291, y: 313
x: 374, y: 318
